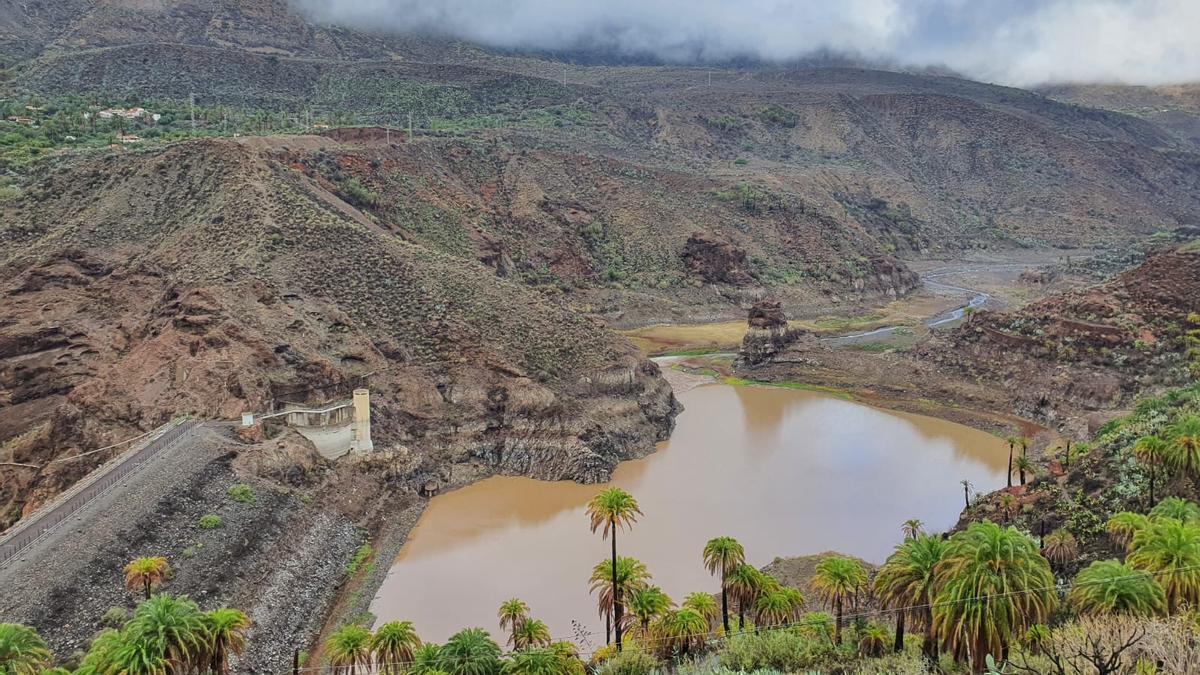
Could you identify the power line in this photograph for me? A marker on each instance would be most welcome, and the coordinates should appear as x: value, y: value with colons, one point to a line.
x: 784, y: 626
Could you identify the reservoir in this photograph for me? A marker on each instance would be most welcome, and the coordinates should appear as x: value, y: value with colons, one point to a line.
x: 786, y: 472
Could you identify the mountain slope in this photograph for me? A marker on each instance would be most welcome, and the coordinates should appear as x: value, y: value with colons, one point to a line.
x: 209, y: 278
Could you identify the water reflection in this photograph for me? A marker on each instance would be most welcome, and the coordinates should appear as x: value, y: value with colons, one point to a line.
x: 786, y: 472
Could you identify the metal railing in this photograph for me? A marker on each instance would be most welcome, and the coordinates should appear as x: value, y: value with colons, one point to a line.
x: 42, y: 522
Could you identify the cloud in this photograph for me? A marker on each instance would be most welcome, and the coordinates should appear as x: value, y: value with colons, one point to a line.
x: 1018, y: 42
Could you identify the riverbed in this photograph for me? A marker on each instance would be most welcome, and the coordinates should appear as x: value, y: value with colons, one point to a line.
x: 786, y: 472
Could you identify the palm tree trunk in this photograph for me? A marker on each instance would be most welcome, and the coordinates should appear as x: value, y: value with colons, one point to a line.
x: 146, y: 582
x: 1010, y: 451
x: 837, y: 630
x: 899, y: 646
x: 1152, y: 485
x: 741, y: 616
x: 1022, y: 476
x: 608, y: 628
x: 931, y: 645
x: 966, y: 497
x: 724, y: 601
x: 616, y: 589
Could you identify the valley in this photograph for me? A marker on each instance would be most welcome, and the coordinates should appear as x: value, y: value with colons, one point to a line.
x: 424, y: 305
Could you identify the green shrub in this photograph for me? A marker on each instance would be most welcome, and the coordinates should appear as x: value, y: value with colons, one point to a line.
x: 241, y: 493
x: 774, y: 114
x: 741, y: 161
x: 115, y: 617
x: 361, y: 559
x: 360, y: 195
x: 783, y: 650
x: 210, y: 521
x: 629, y: 662
x: 725, y: 122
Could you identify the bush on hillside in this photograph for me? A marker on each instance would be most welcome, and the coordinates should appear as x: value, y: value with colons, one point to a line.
x: 629, y: 662
x: 783, y: 650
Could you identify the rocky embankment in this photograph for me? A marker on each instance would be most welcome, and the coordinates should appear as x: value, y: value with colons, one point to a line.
x: 1095, y: 348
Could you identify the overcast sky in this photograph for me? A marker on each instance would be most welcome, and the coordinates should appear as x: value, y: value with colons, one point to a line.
x: 1017, y: 42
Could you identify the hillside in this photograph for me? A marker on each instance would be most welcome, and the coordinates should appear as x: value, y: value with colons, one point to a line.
x: 904, y: 163
x: 1094, y: 348
x: 210, y: 278
x: 1175, y: 107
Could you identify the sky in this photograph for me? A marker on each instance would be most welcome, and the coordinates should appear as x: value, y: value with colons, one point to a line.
x: 1014, y: 42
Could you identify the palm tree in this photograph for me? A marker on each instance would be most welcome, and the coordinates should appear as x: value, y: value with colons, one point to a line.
x: 991, y: 586
x: 704, y: 604
x: 723, y: 554
x: 966, y: 485
x: 146, y: 574
x: 393, y: 645
x: 166, y: 632
x: 1024, y: 466
x: 1008, y: 504
x: 1177, y: 508
x: 1150, y: 450
x: 22, y: 650
x: 745, y: 585
x: 905, y: 584
x: 568, y: 655
x: 681, y: 630
x: 778, y: 607
x: 611, y: 510
x: 1183, y: 449
x: 1109, y: 587
x: 873, y: 641
x: 1012, y: 442
x: 912, y: 528
x: 426, y: 660
x: 543, y: 661
x: 630, y: 576
x: 512, y: 613
x: 647, y: 604
x: 470, y: 651
x: 531, y: 633
x: 226, y: 630
x: 836, y: 579
x: 1124, y: 525
x: 1060, y: 547
x: 1170, y: 549
x: 101, y: 657
x: 348, y: 648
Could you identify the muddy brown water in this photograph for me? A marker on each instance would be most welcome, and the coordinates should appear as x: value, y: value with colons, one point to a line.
x: 786, y: 472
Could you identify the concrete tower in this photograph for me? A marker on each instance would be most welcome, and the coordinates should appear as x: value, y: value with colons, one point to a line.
x: 360, y: 428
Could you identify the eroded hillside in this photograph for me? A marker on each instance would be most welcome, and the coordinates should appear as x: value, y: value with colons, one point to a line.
x: 210, y: 277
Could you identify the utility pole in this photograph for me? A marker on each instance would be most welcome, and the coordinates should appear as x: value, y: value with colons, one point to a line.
x: 564, y: 75
x: 410, y: 136
x: 295, y: 662
x: 192, y: 110
x: 710, y: 78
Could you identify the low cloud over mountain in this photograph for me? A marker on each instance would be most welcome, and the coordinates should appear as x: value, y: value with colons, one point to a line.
x: 1017, y: 42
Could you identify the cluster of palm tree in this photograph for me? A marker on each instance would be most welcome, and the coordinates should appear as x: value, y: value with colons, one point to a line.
x: 394, y: 647
x: 1177, y: 450
x: 167, y: 635
x: 1022, y: 463
x: 1165, y: 545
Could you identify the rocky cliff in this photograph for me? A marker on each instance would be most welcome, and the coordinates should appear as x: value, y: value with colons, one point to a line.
x: 210, y: 278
